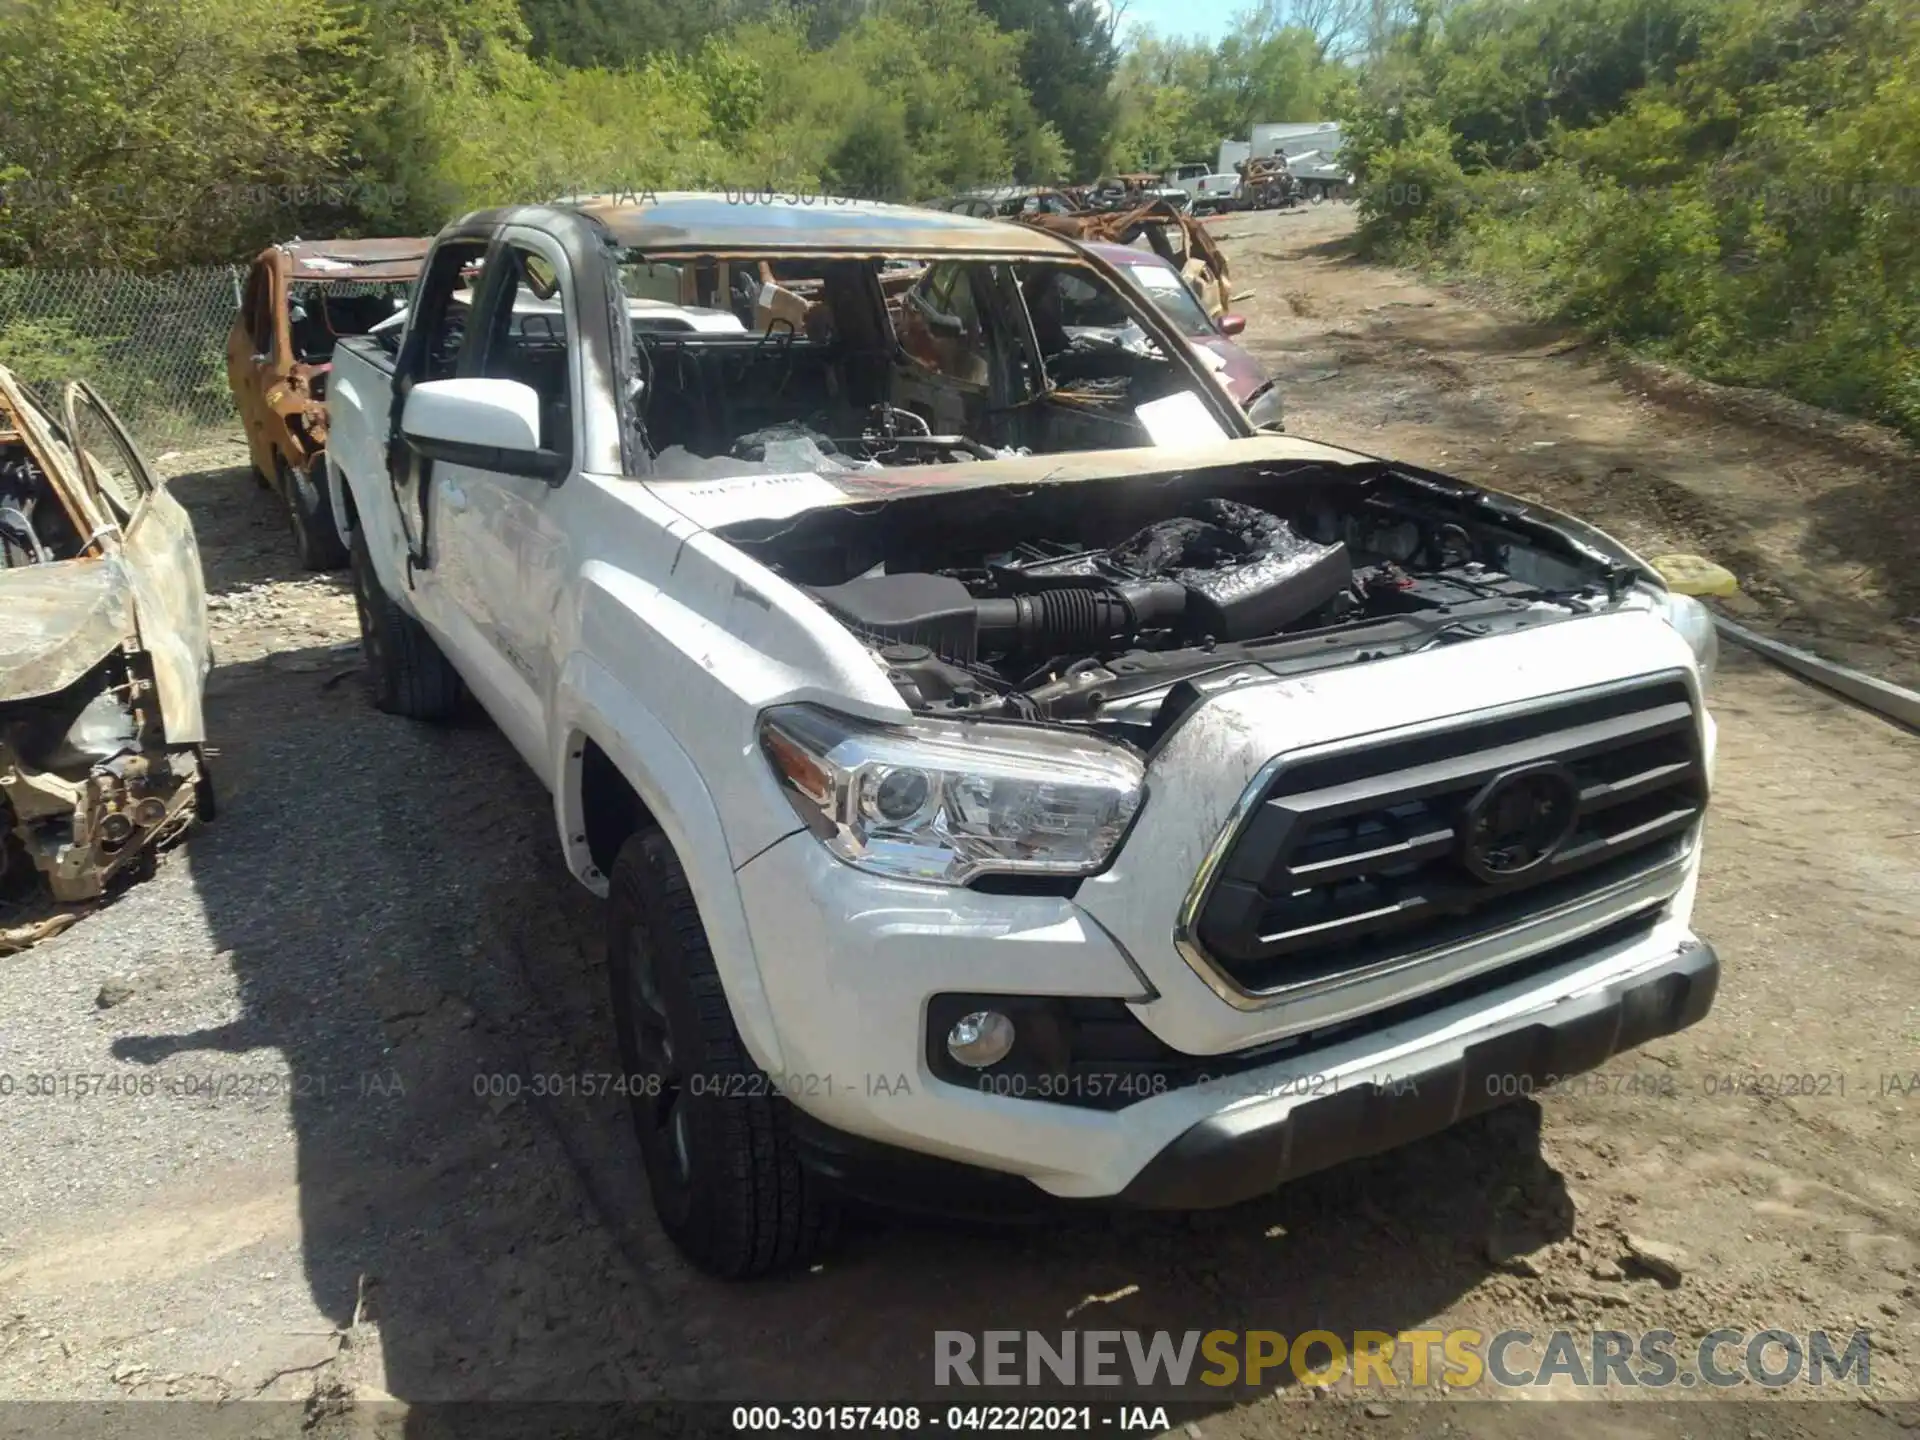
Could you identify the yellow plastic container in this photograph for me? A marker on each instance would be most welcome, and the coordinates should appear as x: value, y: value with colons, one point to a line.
x: 1695, y: 575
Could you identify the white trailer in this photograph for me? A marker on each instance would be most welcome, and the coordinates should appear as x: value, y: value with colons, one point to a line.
x: 1295, y: 138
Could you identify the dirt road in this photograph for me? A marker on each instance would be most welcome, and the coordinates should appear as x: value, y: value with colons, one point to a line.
x: 302, y: 1183
x: 1816, y: 518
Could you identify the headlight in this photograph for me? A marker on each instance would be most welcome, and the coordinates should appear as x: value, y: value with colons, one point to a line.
x: 1694, y: 621
x: 1264, y: 410
x: 943, y: 801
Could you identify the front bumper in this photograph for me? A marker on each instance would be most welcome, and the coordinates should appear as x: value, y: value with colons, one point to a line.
x: 850, y: 964
x: 1235, y: 1156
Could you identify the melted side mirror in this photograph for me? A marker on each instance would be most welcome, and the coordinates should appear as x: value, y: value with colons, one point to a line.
x: 1265, y: 411
x: 1232, y: 324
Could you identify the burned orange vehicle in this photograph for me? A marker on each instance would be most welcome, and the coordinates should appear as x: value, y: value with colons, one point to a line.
x: 1176, y: 236
x: 300, y: 298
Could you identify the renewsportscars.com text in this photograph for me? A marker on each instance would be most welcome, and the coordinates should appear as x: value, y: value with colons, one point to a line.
x: 1462, y: 1359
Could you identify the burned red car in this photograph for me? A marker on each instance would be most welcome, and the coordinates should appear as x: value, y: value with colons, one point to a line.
x: 1160, y: 282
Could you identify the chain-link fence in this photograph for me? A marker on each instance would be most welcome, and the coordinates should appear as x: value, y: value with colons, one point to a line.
x: 153, y: 345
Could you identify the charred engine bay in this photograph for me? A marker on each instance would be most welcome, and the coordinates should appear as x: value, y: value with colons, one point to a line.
x: 33, y: 526
x: 1121, y: 604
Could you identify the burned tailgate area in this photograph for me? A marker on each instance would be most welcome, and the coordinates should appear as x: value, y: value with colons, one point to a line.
x: 1175, y: 236
x: 103, y: 655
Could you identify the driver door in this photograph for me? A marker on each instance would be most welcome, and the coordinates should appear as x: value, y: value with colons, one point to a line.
x: 162, y: 557
x: 251, y: 361
x: 500, y: 552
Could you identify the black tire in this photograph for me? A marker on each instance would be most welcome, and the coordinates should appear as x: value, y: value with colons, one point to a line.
x: 404, y: 671
x: 316, y: 539
x: 721, y: 1163
x: 206, y: 801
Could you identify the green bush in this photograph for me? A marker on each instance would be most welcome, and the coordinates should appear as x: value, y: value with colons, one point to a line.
x: 149, y: 132
x: 1747, y: 206
x: 1413, y: 196
x: 54, y: 348
x: 873, y: 155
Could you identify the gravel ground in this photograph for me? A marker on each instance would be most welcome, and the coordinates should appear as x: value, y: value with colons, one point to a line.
x: 291, y: 1182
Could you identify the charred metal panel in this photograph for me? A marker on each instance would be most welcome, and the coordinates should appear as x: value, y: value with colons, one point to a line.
x: 57, y: 620
x: 170, y: 605
x: 718, y: 225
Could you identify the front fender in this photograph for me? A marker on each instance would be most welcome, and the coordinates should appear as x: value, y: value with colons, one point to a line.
x: 590, y: 704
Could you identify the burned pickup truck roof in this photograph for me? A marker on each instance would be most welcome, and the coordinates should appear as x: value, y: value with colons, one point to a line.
x: 719, y: 224
x: 376, y: 261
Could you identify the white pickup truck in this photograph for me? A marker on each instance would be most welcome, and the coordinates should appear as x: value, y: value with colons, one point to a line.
x: 1014, y: 778
x: 1213, y: 192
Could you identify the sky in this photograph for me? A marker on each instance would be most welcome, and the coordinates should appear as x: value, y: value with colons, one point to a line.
x: 1209, y: 19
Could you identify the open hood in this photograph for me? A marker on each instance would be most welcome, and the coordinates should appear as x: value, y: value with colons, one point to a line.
x: 734, y: 499
x: 57, y: 621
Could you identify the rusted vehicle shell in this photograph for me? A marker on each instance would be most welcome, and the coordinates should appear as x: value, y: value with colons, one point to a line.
x: 104, y: 655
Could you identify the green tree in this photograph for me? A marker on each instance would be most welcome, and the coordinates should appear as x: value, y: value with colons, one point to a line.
x: 614, y: 34
x: 1178, y: 99
x: 1724, y: 183
x: 872, y: 156
x: 1067, y: 65
x: 945, y: 70
x: 143, y: 131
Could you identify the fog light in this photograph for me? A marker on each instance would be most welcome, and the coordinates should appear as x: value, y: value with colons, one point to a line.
x: 980, y: 1039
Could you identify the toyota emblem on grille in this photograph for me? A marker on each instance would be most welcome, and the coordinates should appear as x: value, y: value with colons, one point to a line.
x: 1518, y: 820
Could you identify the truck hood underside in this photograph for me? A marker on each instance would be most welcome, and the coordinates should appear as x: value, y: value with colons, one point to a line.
x: 738, y: 499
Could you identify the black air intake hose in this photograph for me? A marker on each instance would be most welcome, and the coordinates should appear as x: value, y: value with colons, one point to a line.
x: 1082, y: 618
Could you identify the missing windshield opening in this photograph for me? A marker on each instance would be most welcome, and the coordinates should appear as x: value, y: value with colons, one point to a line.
x: 833, y: 364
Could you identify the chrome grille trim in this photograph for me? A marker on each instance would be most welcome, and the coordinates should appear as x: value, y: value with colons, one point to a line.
x: 1504, y: 940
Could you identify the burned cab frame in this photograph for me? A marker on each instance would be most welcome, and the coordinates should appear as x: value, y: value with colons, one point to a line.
x: 103, y: 655
x: 860, y: 354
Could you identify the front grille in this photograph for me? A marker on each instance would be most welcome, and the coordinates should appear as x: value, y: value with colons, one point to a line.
x: 1357, y: 857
